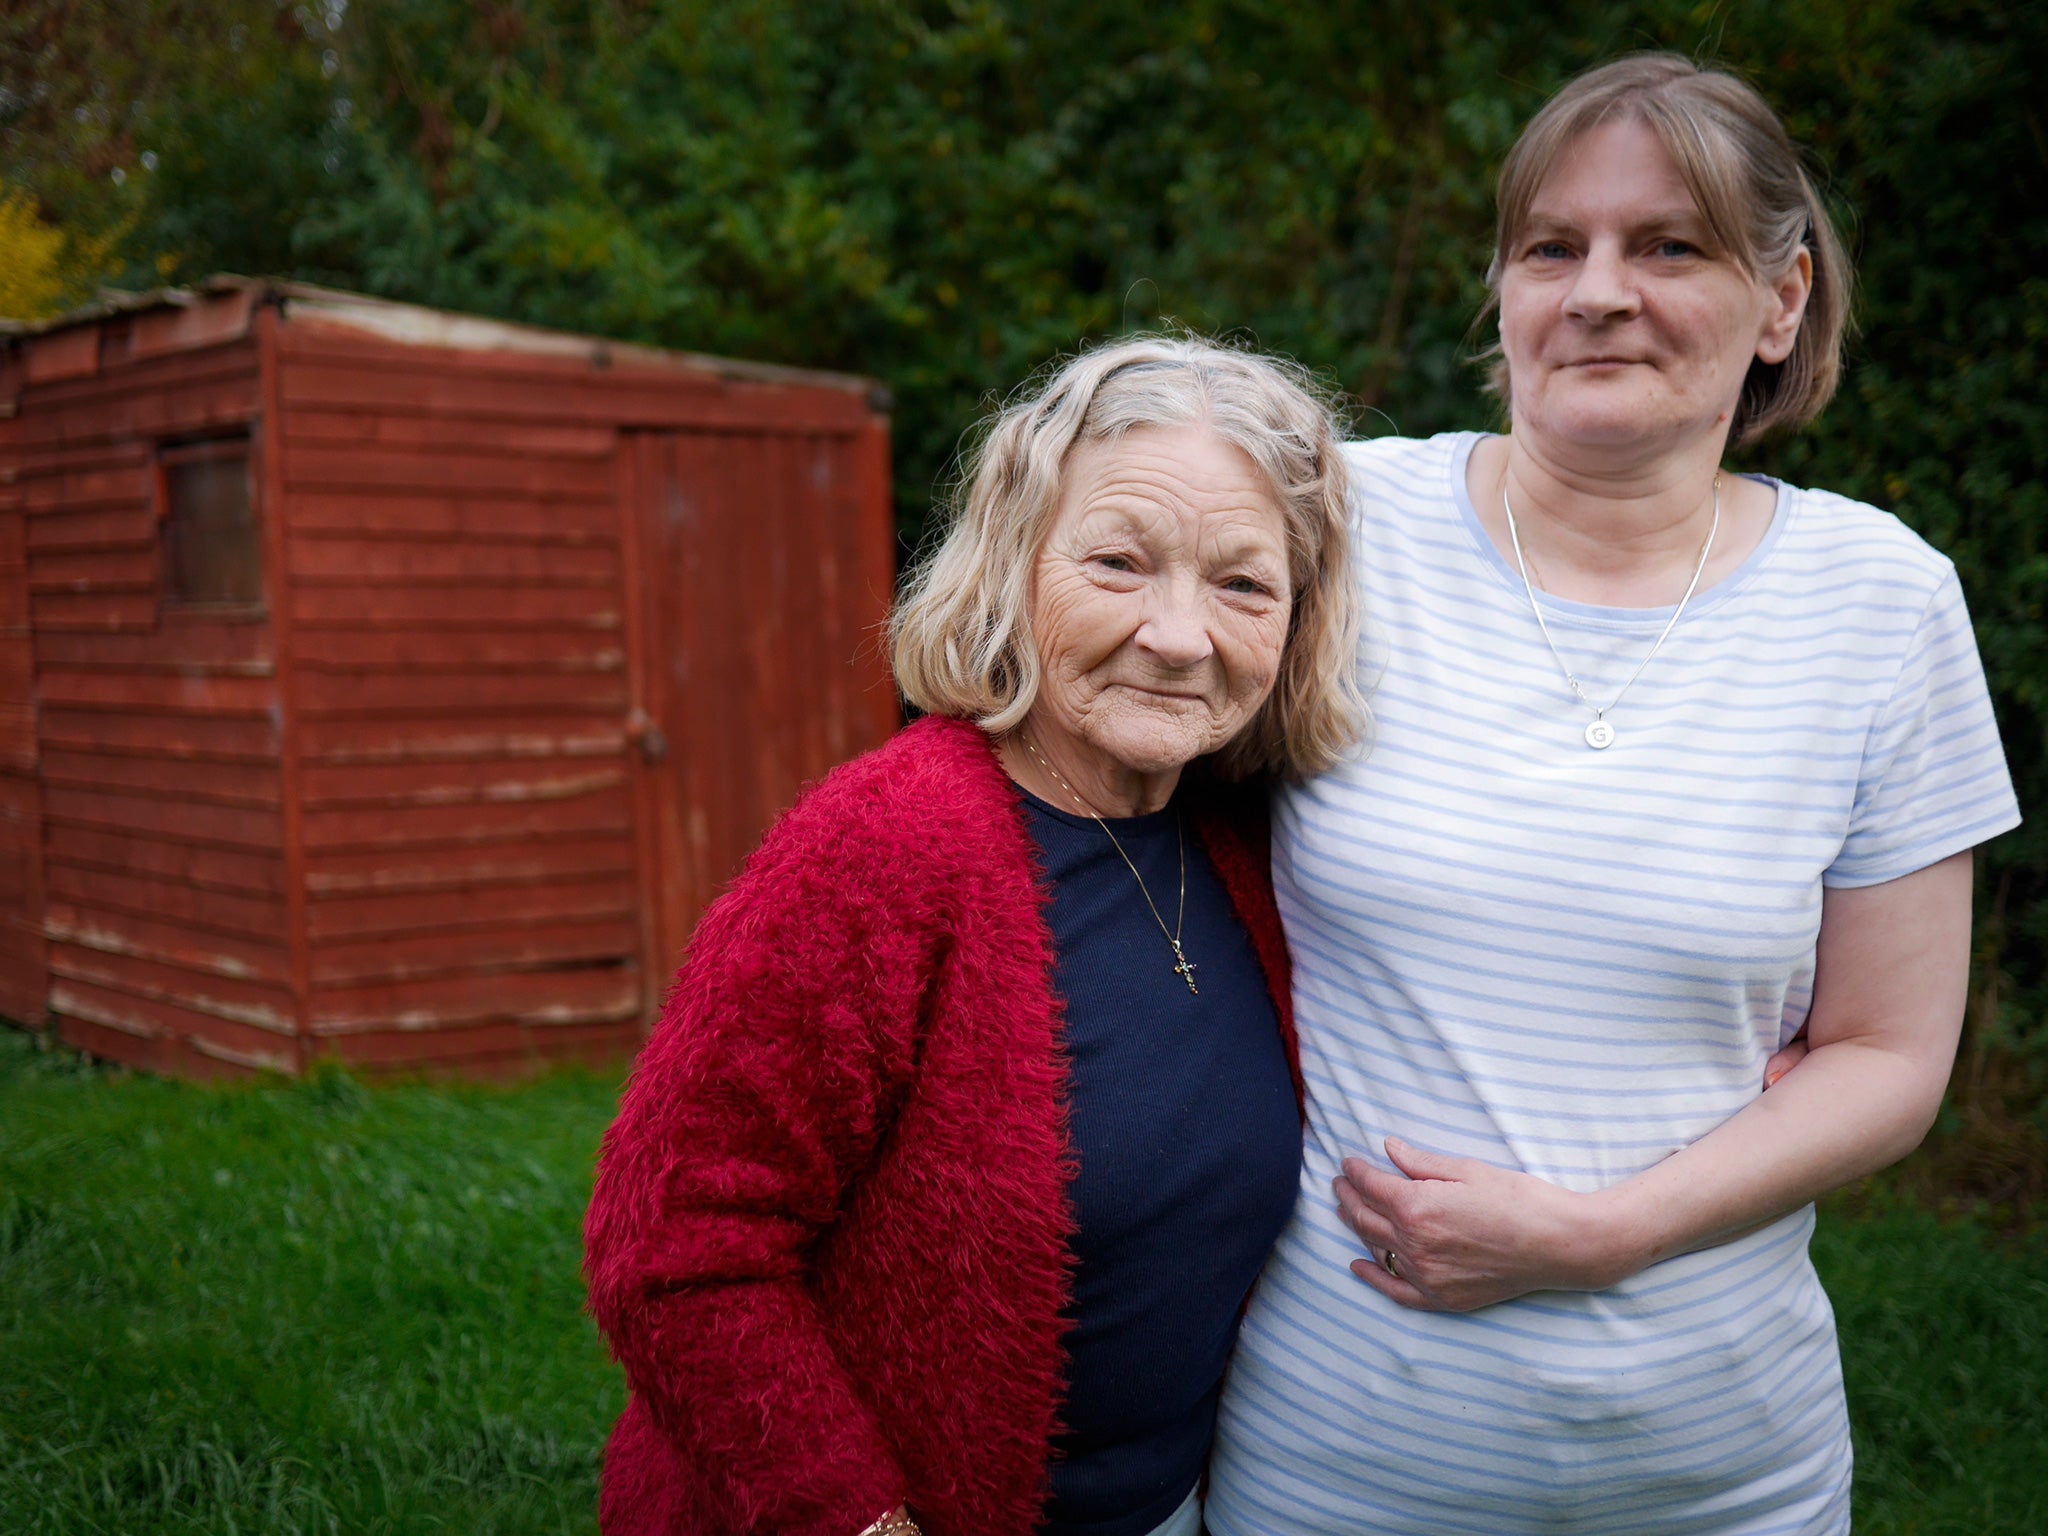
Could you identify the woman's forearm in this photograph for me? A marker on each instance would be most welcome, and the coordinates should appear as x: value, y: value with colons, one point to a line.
x: 744, y: 1382
x: 1890, y: 976
x: 1852, y: 1107
x: 752, y: 1110
x: 1469, y: 1235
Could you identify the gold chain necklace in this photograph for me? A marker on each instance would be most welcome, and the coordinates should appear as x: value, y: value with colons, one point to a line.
x: 1183, y: 967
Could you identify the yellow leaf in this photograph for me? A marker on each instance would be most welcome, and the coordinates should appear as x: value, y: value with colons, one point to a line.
x: 45, y: 270
x: 31, y: 259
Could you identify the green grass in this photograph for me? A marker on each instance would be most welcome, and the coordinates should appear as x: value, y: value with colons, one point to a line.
x: 325, y: 1308
x: 1944, y: 1330
x: 313, y: 1308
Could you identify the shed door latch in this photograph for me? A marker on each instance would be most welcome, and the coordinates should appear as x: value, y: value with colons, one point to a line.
x: 649, y: 737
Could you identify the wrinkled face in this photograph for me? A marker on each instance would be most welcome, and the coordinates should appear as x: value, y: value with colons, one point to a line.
x: 1621, y: 320
x: 1160, y: 600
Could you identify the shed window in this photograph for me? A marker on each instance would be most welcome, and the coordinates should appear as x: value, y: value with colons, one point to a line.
x: 211, y: 554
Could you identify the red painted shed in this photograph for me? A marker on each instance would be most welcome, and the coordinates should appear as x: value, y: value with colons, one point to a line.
x: 388, y: 684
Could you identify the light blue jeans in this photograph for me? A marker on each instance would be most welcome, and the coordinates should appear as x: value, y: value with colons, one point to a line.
x: 1185, y: 1521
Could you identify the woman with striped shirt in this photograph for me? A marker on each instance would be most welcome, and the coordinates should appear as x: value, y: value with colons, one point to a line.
x: 1670, y: 763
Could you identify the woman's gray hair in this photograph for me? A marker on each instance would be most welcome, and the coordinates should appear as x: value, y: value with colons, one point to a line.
x: 960, y: 636
x: 1743, y: 172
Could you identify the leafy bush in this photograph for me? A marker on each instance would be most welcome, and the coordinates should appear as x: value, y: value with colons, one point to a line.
x: 945, y: 194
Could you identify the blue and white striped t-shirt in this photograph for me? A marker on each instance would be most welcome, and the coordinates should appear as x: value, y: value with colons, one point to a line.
x: 1572, y: 963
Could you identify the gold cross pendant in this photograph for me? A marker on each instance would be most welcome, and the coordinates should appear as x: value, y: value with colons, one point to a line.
x: 1183, y: 967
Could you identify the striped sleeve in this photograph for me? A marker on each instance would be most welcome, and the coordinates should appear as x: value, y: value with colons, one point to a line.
x: 1934, y: 779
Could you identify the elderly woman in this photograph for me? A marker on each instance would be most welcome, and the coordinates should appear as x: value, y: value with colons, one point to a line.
x: 936, y: 1194
x: 1668, y: 763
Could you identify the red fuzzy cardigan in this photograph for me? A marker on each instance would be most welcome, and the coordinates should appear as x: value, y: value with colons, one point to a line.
x: 829, y: 1238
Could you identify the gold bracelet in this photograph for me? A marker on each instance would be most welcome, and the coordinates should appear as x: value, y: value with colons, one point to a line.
x: 895, y: 1523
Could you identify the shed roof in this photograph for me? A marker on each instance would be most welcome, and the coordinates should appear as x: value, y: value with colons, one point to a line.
x: 418, y: 325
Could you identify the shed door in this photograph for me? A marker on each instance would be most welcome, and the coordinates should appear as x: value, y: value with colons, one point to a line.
x: 764, y: 564
x: 24, y: 959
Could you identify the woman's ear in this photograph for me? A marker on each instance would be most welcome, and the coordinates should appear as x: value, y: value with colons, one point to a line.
x: 1789, y: 294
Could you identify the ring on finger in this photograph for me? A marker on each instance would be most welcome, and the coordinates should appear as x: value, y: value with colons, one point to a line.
x: 1392, y: 1264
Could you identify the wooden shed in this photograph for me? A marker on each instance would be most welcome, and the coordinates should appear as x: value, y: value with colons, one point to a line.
x: 388, y: 684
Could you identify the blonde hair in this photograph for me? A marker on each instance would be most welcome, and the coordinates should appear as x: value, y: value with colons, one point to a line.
x: 960, y: 637
x: 1745, y: 176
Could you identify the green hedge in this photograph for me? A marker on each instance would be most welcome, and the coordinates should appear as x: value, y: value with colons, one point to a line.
x: 946, y: 194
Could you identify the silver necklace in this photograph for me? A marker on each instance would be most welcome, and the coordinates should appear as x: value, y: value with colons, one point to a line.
x: 1183, y: 967
x: 1600, y: 735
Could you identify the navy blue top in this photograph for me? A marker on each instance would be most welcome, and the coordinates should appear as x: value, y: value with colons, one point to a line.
x: 1183, y: 1123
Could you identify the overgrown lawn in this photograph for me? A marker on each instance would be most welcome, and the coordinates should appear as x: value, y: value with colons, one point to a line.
x: 315, y: 1307
x: 326, y: 1308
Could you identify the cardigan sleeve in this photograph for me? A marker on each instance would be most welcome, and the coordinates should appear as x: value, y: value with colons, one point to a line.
x: 756, y: 1102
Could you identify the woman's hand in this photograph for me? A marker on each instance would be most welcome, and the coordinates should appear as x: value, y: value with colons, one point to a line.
x: 1789, y: 1056
x: 1890, y: 973
x: 1466, y: 1234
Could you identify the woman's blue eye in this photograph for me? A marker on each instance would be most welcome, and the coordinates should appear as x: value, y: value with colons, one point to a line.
x: 1674, y: 248
x: 1244, y: 586
x: 1551, y: 250
x: 1115, y: 562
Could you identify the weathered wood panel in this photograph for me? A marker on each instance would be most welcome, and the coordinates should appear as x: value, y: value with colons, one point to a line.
x: 401, y: 814
x: 213, y: 869
x: 109, y: 1026
x: 24, y: 973
x: 94, y: 612
x: 460, y: 565
x: 445, y: 696
x: 473, y: 867
x: 122, y: 483
x: 332, y: 368
x: 544, y: 648
x: 356, y: 607
x: 128, y: 525
x: 80, y: 572
x: 64, y: 355
x: 161, y: 1035
x: 396, y: 738
x: 222, y: 783
x: 173, y: 396
x: 193, y: 688
x: 385, y: 914
x: 167, y: 815
x: 460, y: 681
x: 157, y: 746
x: 171, y: 736
x: 113, y: 932
x: 457, y: 513
x: 96, y: 457
x: 24, y: 970
x: 599, y: 993
x: 501, y: 470
x: 378, y: 430
x: 456, y: 782
x: 457, y: 825
x: 258, y: 1004
x: 505, y: 945
x: 761, y: 601
x: 221, y: 648
x: 203, y: 909
x: 222, y: 318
